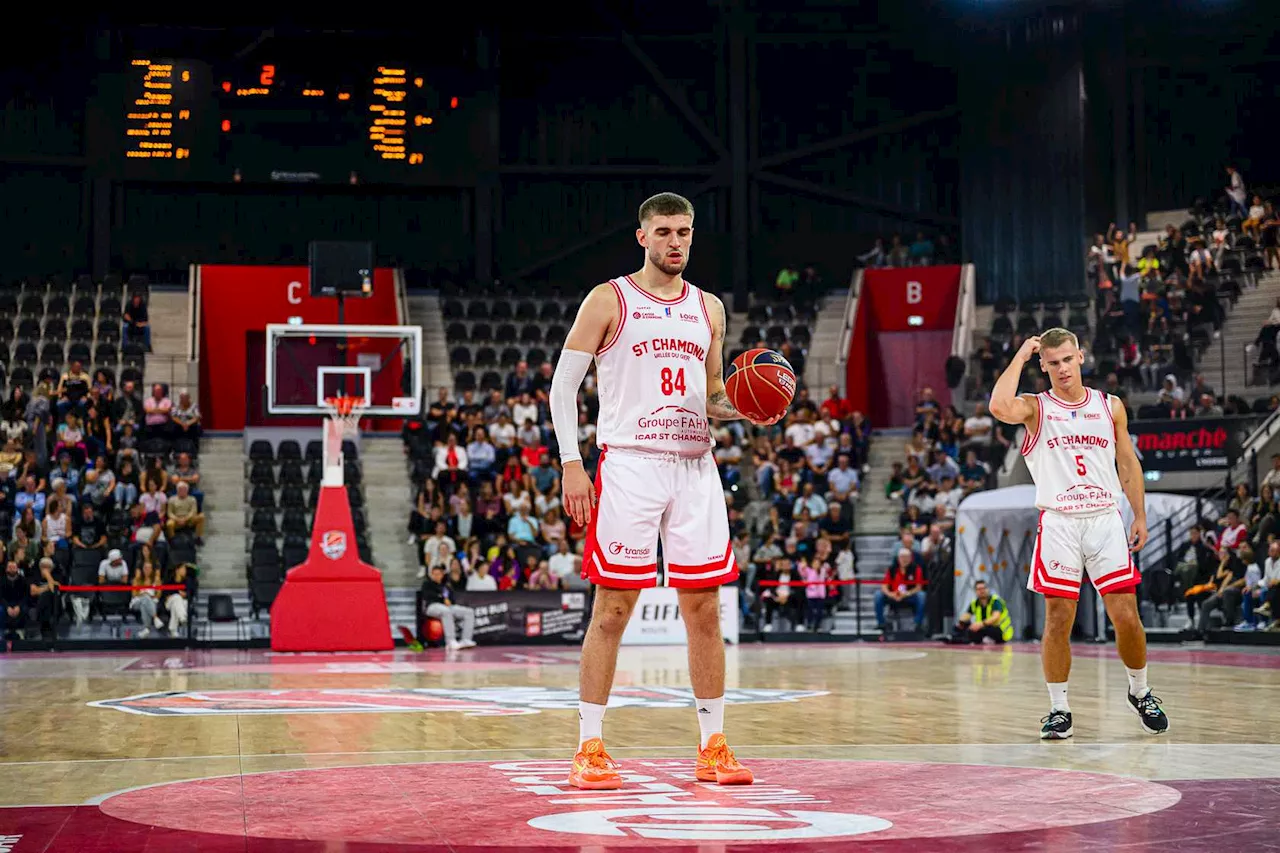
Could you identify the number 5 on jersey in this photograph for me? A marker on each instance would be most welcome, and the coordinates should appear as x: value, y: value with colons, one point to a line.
x: 1080, y: 469
x: 673, y: 383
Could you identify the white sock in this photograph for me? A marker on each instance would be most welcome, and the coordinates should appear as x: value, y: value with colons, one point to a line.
x: 710, y: 717
x: 590, y: 721
x: 1058, y: 697
x: 1138, y: 682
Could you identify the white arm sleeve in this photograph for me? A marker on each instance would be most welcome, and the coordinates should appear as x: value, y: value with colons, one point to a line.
x: 570, y: 370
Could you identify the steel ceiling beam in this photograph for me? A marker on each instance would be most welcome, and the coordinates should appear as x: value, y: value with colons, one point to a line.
x: 599, y: 237
x: 845, y: 140
x: 668, y: 89
x: 612, y: 170
x: 855, y: 200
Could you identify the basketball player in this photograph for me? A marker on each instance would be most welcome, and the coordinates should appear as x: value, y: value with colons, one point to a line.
x: 656, y: 341
x: 1078, y: 449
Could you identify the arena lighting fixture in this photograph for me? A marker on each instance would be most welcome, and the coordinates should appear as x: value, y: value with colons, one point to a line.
x: 915, y: 320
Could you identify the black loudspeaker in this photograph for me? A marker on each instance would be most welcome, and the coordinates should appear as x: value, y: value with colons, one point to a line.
x: 341, y: 268
x: 955, y: 371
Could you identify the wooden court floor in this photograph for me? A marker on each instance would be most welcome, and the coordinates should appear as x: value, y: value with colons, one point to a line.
x: 858, y: 747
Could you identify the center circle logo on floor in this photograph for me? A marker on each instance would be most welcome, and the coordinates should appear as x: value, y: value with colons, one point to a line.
x: 333, y: 543
x: 710, y: 823
x: 795, y: 805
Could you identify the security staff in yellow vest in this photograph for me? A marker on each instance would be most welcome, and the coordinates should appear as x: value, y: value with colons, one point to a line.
x: 987, y: 616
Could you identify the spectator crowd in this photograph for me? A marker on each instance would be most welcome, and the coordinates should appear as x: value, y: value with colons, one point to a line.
x: 98, y: 485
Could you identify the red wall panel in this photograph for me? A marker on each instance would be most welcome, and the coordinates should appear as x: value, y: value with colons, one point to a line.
x: 888, y: 301
x: 238, y: 300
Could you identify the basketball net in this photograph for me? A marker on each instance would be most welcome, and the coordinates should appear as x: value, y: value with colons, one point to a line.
x: 343, y: 422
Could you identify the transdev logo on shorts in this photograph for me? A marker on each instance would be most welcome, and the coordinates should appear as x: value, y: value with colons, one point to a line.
x: 617, y: 549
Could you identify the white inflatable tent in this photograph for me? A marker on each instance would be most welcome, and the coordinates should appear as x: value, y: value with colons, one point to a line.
x: 995, y: 542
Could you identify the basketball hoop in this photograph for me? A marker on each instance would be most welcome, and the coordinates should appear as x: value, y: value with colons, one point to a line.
x: 343, y: 423
x: 345, y: 412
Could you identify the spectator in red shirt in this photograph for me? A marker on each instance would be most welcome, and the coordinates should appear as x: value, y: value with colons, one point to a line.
x: 903, y: 585
x: 836, y: 407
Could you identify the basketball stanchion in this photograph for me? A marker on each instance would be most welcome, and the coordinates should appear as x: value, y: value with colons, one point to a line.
x: 333, y: 601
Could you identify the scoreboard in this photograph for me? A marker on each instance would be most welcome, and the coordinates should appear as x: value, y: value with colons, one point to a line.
x: 304, y: 121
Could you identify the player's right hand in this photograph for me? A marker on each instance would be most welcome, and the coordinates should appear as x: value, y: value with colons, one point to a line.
x: 579, y: 493
x: 1029, y: 347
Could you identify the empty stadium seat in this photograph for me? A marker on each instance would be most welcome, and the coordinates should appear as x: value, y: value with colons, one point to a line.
x: 289, y: 449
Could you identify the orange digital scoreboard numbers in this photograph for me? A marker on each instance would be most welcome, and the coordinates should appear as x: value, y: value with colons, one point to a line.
x: 159, y: 121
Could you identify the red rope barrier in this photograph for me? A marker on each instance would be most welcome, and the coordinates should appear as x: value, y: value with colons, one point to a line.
x: 872, y: 581
x: 163, y: 587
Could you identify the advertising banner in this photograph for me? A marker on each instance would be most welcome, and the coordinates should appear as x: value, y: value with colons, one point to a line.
x: 656, y: 620
x: 518, y: 616
x: 1191, y: 445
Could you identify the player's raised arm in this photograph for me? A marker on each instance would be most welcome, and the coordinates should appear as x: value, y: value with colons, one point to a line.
x: 597, y: 318
x: 1005, y: 404
x: 1130, y: 471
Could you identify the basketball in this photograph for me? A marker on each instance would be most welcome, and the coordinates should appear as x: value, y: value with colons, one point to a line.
x: 760, y: 384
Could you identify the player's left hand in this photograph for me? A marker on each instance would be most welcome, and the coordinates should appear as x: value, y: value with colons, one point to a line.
x: 770, y: 422
x: 1137, y: 535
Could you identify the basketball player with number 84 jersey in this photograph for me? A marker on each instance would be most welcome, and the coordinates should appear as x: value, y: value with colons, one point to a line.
x: 1078, y: 450
x: 657, y: 343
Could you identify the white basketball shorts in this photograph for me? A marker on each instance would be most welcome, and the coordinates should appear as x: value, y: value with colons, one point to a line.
x: 643, y: 496
x: 1067, y: 547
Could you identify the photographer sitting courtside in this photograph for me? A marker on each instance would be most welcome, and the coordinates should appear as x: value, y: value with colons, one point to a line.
x: 437, y: 595
x: 986, y: 616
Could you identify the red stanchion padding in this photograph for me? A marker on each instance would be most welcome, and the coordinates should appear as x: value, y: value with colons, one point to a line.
x: 333, y: 602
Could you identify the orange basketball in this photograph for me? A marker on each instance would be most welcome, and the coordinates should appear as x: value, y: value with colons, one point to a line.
x: 760, y: 384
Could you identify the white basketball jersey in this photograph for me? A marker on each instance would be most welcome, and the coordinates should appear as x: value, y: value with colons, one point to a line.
x: 652, y: 375
x: 1072, y: 455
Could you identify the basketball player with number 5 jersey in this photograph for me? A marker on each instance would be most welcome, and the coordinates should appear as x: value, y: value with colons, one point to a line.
x: 657, y: 343
x: 1078, y: 450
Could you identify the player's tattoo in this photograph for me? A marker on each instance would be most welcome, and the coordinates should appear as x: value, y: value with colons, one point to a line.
x: 719, y: 407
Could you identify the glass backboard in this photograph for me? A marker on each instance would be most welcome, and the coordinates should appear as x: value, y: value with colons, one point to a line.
x: 306, y: 364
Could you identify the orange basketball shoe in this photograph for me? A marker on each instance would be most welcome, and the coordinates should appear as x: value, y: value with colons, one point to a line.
x: 593, y: 768
x: 716, y: 763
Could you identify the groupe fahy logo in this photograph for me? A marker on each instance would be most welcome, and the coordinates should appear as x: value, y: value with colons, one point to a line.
x: 617, y: 549
x: 476, y: 702
x: 333, y: 544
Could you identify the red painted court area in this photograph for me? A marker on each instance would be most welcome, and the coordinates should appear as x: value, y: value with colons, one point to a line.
x: 796, y: 805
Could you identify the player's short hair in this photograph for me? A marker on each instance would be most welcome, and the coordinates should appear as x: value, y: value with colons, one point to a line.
x: 665, y: 204
x: 1056, y: 338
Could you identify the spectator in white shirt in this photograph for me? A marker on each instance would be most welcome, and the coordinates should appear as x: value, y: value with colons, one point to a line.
x: 1171, y: 391
x: 979, y: 427
x: 503, y: 433
x: 479, y: 579
x: 842, y: 480
x: 801, y: 432
x: 1273, y: 476
x: 113, y: 570
x: 524, y: 411
x: 947, y: 501
x: 449, y: 456
x: 437, y: 550
x: 1236, y: 194
x: 563, y: 565
x: 816, y: 504
x: 819, y: 454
